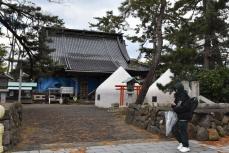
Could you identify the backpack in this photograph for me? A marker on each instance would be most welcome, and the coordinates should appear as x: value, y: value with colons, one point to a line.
x: 194, y: 104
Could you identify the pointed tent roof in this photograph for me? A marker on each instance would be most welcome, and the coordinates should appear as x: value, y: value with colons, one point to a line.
x: 115, y: 78
x: 164, y: 79
x: 107, y: 91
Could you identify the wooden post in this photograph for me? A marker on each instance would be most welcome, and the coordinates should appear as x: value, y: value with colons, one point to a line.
x: 122, y: 89
x: 138, y: 89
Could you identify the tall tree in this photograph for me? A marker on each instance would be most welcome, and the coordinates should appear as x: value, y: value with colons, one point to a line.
x: 196, y: 34
x: 109, y: 23
x: 152, y: 16
x: 24, y: 21
x: 207, y: 23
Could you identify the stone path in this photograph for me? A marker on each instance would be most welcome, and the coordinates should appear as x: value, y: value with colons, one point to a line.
x: 55, y: 123
x: 146, y: 147
x: 86, y: 129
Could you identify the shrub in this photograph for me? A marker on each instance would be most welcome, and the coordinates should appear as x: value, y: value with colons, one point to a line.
x: 214, y: 84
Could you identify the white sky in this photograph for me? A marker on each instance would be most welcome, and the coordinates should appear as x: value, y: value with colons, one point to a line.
x: 77, y: 13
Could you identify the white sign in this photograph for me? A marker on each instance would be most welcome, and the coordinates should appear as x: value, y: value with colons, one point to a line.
x: 66, y: 90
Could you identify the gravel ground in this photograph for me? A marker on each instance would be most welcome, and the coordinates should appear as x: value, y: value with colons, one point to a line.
x: 54, y: 123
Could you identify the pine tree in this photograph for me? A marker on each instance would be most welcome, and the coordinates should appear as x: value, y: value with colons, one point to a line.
x: 152, y: 16
x: 195, y: 32
x: 2, y: 58
x: 24, y: 21
x: 208, y: 26
x: 110, y: 23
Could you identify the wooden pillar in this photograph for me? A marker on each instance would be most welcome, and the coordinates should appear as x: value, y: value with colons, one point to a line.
x: 122, y: 89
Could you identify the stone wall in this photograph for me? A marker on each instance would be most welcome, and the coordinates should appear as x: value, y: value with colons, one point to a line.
x: 207, y: 123
x: 12, y: 122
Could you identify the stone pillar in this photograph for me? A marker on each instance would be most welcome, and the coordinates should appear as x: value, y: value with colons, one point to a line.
x: 2, y: 112
x: 195, y: 89
x: 187, y: 87
x: 130, y: 98
x: 3, y: 97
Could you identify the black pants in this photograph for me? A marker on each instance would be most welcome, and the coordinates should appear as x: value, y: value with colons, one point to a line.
x: 180, y: 131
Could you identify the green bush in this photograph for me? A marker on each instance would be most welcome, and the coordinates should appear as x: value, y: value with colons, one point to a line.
x: 214, y: 84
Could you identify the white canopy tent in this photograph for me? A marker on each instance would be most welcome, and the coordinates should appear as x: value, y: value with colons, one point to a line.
x: 106, y: 94
x: 155, y: 94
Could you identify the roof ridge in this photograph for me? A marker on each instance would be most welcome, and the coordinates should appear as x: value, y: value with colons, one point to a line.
x: 82, y: 31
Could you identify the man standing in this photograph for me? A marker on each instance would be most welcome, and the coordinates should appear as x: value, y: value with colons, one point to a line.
x: 182, y: 106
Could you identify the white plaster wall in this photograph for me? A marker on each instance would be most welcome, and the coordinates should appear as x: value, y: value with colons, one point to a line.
x: 107, y: 91
x: 162, y: 97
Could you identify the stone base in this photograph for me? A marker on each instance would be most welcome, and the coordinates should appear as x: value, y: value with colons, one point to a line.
x: 12, y: 123
x: 204, y: 125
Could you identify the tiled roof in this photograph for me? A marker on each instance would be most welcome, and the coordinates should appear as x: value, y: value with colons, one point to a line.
x: 87, y: 65
x: 88, y: 51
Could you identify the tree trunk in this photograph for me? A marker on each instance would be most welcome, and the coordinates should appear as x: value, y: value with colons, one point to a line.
x: 159, y: 40
x: 207, y: 37
x: 207, y: 52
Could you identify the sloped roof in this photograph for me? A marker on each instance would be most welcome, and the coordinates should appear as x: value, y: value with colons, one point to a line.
x: 88, y: 51
x: 2, y: 75
x: 115, y: 78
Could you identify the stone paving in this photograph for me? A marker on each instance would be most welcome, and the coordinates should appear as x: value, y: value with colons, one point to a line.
x: 87, y: 129
x: 146, y: 147
x: 55, y: 123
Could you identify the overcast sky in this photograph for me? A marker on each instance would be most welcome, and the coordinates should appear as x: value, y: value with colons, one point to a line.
x: 77, y: 13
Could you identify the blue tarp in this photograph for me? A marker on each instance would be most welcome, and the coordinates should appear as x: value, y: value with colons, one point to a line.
x: 93, y: 84
x: 45, y: 83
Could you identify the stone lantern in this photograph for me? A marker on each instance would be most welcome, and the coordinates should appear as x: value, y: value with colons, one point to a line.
x: 130, y: 82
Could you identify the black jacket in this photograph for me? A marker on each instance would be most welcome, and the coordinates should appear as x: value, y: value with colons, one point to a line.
x: 183, y: 105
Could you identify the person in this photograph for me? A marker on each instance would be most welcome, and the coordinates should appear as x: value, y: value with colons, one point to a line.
x: 182, y: 107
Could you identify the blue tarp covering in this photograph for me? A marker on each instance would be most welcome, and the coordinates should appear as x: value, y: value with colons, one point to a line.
x: 93, y: 84
x: 54, y: 82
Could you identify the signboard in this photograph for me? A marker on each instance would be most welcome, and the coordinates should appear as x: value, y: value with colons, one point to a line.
x: 66, y: 90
